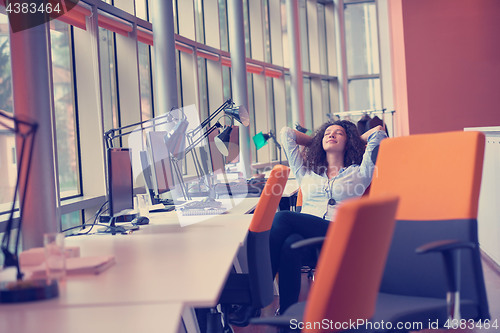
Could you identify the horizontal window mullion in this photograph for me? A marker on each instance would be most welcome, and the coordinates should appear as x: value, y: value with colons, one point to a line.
x: 114, y: 24
x: 363, y: 77
x: 76, y: 16
x: 144, y: 36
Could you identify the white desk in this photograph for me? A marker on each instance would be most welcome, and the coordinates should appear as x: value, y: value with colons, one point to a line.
x: 151, y: 318
x: 162, y: 264
x: 291, y: 188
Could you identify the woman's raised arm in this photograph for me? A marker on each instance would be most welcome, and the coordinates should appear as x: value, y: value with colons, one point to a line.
x: 302, y: 138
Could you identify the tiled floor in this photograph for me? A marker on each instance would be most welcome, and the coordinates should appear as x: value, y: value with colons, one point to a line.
x: 492, y: 280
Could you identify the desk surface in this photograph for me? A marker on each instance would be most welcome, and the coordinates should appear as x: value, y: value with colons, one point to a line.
x: 162, y: 262
x: 235, y: 207
x: 123, y: 319
x: 291, y: 188
x: 159, y: 269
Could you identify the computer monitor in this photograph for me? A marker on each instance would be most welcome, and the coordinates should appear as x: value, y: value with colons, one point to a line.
x: 162, y: 175
x: 120, y: 181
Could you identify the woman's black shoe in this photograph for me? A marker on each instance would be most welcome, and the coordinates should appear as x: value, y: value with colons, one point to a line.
x: 241, y: 316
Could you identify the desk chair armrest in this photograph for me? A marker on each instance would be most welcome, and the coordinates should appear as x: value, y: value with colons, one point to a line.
x: 450, y: 250
x: 444, y: 245
x: 308, y: 242
x: 451, y: 255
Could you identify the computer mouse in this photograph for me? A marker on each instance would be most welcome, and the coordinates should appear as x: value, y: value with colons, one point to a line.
x: 141, y: 220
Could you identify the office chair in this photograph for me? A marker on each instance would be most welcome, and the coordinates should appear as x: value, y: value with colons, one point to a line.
x: 437, y: 177
x: 255, y: 289
x: 349, y: 268
x: 298, y: 203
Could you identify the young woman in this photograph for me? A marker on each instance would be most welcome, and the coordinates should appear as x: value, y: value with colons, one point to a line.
x: 335, y: 165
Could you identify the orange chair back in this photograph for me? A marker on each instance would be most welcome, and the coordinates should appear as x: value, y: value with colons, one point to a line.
x: 269, y: 199
x: 437, y: 176
x: 299, y: 198
x: 351, y: 263
x: 258, y: 253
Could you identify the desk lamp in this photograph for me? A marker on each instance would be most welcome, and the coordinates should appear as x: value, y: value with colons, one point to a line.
x: 174, y: 139
x: 222, y: 140
x: 230, y: 110
x: 260, y: 140
x: 238, y: 113
x: 21, y: 290
x: 118, y: 132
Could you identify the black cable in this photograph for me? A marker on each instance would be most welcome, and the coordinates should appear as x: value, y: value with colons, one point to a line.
x: 95, y: 216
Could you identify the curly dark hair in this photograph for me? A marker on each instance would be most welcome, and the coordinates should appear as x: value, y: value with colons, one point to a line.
x: 315, y: 155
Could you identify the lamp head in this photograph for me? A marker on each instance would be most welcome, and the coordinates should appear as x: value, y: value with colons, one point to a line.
x: 240, y: 113
x: 222, y: 140
x: 176, y: 138
x: 260, y: 139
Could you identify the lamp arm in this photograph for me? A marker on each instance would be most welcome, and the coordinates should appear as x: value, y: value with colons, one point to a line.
x: 17, y: 122
x: 201, y: 138
x: 23, y: 197
x: 271, y: 134
x: 110, y: 135
x: 205, y: 122
x: 11, y: 258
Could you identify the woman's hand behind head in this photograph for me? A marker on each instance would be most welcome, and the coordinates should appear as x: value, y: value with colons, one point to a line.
x: 367, y: 134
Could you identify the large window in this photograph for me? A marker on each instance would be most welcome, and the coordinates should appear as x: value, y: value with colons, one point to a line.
x: 8, y: 164
x: 226, y: 81
x: 64, y: 104
x: 109, y: 90
x: 304, y: 36
x: 199, y: 21
x: 267, y: 31
x: 71, y: 219
x: 362, y: 54
x: 224, y: 34
x: 5, y: 73
x: 246, y: 22
x: 141, y: 9
x: 145, y: 78
x: 322, y: 40
x: 202, y: 88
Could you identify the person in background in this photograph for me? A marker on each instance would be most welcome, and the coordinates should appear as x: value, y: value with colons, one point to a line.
x: 333, y: 165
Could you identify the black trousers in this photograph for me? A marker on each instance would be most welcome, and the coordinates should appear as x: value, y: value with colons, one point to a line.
x: 289, y: 227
